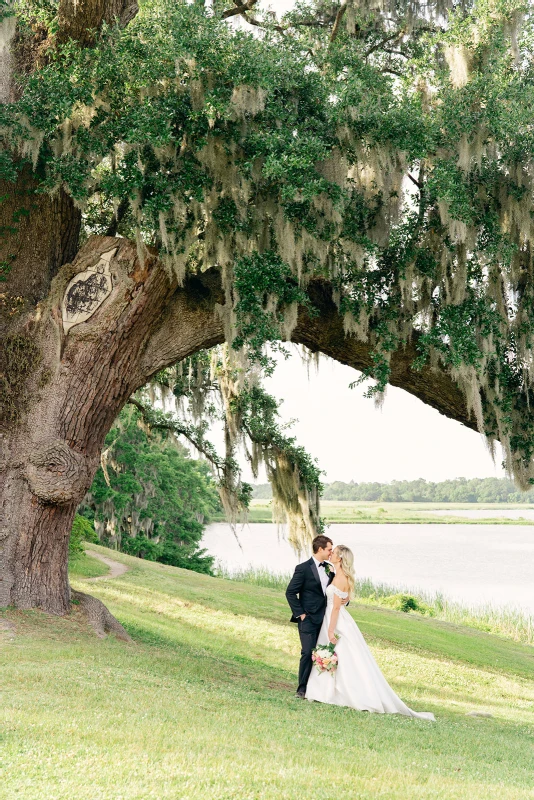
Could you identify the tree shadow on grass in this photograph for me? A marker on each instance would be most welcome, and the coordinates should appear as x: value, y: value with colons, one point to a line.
x: 199, y: 663
x: 223, y: 651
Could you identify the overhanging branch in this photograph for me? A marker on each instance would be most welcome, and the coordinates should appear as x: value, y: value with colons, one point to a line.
x: 321, y: 333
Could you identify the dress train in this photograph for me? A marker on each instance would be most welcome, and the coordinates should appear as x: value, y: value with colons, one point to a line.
x: 358, y: 682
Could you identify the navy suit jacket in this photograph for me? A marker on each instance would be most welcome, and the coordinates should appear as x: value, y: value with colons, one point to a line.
x: 305, y: 593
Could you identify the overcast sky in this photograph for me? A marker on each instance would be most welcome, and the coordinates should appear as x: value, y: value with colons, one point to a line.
x: 353, y: 440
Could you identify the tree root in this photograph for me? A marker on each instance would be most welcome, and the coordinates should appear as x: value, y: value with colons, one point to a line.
x: 99, y: 617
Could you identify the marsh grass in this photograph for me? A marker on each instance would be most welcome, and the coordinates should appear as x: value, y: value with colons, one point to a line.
x: 508, y: 621
x: 255, y: 576
x: 368, y: 512
x: 202, y: 704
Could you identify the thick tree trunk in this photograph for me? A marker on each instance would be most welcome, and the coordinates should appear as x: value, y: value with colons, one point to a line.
x: 38, y: 234
x: 90, y: 366
x: 39, y: 557
x: 61, y: 383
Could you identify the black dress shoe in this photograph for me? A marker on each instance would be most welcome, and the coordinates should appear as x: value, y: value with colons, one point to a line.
x: 301, y: 695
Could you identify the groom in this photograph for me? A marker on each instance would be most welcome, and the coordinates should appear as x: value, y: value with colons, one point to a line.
x: 306, y: 597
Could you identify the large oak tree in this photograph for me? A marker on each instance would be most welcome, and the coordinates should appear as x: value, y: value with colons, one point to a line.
x: 355, y: 177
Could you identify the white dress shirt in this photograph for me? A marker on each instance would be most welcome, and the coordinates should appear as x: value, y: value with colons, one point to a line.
x: 322, y: 574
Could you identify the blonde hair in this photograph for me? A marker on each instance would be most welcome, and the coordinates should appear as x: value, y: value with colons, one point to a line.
x: 347, y: 562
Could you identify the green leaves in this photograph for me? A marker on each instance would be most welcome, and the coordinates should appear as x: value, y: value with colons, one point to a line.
x: 149, y: 499
x: 265, y: 287
x: 82, y: 531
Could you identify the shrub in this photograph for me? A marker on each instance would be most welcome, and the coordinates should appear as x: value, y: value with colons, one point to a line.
x: 154, y: 500
x: 187, y: 557
x: 82, y: 531
x: 407, y: 603
x: 142, y: 547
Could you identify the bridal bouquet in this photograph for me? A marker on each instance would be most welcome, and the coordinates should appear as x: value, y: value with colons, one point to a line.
x: 325, y: 657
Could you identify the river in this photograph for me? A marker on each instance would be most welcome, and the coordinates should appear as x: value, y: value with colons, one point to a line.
x: 475, y: 564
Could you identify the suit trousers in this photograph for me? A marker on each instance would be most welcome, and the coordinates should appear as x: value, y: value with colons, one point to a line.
x: 309, y: 633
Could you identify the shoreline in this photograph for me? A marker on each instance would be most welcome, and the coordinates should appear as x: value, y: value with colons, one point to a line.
x: 359, y: 513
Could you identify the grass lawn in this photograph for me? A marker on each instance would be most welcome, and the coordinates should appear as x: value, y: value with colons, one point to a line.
x: 202, y: 705
x: 342, y: 511
x: 83, y: 566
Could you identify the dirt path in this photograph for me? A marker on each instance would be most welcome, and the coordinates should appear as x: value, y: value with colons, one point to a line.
x: 115, y: 567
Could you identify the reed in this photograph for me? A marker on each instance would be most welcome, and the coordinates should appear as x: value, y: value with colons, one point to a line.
x: 507, y: 621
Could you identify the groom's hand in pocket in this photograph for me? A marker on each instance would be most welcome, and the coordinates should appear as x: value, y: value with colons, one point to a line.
x: 302, y: 617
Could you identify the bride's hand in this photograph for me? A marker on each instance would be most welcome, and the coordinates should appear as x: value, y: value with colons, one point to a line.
x: 332, y: 638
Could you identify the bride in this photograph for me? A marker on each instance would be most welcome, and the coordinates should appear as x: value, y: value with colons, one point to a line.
x: 357, y: 682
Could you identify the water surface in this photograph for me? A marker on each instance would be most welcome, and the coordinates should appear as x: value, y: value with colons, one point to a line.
x: 474, y: 564
x: 485, y: 513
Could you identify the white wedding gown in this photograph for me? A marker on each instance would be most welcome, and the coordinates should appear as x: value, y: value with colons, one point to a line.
x: 358, y: 682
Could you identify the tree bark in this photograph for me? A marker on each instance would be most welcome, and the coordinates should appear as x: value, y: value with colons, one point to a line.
x: 38, y: 234
x: 79, y: 19
x: 87, y: 372
x: 99, y: 617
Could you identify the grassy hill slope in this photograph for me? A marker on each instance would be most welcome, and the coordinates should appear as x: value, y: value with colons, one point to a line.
x: 202, y: 704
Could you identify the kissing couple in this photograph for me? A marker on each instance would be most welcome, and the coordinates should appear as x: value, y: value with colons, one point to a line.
x: 318, y: 595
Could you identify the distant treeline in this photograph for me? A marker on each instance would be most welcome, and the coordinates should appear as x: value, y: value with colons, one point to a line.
x: 459, y: 490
